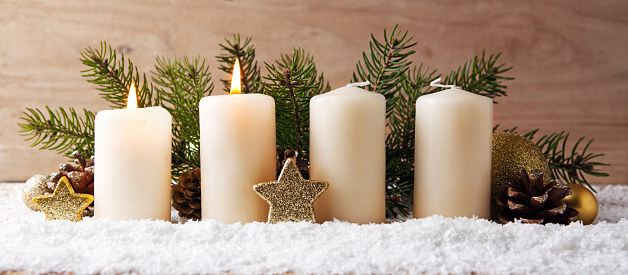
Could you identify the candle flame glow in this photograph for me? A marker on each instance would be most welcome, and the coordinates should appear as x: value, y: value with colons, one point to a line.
x: 235, y: 79
x: 132, y: 100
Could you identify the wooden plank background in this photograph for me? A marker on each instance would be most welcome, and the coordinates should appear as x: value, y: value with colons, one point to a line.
x: 569, y: 58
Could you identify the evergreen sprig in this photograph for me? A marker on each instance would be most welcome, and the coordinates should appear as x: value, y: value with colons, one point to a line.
x: 114, y: 76
x: 180, y: 85
x: 292, y: 82
x: 567, y: 163
x: 481, y: 75
x: 570, y: 166
x: 387, y: 67
x: 59, y: 130
x: 249, y: 71
x: 400, y: 140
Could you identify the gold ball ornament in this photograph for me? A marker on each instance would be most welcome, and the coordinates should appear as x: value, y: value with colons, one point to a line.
x: 511, y: 152
x: 37, y: 185
x: 583, y: 200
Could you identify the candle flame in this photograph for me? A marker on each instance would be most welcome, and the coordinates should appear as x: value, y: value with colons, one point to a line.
x: 132, y: 101
x: 235, y: 79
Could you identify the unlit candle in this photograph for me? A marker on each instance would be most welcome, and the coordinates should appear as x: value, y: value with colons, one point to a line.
x: 453, y: 154
x: 348, y: 150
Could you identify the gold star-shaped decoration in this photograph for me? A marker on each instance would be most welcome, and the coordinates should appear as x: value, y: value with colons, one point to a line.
x: 64, y: 203
x: 291, y: 197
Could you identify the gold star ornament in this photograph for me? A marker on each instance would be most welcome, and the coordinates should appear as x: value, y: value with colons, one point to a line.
x: 291, y: 197
x: 64, y: 203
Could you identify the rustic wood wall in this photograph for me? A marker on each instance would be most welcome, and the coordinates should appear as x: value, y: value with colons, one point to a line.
x: 569, y: 58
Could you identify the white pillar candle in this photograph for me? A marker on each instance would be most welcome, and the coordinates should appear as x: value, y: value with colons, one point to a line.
x: 238, y: 150
x: 348, y: 150
x: 452, y: 170
x: 132, y: 163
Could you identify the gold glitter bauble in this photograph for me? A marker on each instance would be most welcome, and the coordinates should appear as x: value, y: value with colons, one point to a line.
x: 64, y: 203
x: 583, y: 200
x: 37, y: 185
x: 291, y: 197
x: 511, y: 152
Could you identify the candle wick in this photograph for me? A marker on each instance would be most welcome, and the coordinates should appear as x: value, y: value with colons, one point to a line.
x: 435, y: 84
x: 359, y: 84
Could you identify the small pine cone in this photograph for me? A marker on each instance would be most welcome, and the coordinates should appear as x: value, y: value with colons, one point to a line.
x: 531, y: 202
x: 186, y: 196
x: 80, y: 174
x: 282, y: 156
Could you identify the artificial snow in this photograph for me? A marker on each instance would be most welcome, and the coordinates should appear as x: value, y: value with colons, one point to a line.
x: 416, y: 246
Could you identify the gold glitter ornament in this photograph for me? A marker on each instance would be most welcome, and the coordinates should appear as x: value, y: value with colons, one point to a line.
x: 291, y: 197
x: 511, y: 152
x: 37, y: 185
x: 64, y: 203
x: 583, y: 200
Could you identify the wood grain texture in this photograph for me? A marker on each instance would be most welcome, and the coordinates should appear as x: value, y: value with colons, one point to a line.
x: 569, y: 58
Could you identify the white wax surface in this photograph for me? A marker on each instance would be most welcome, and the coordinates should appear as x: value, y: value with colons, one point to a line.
x: 132, y: 165
x: 348, y: 150
x: 238, y: 150
x: 453, y: 154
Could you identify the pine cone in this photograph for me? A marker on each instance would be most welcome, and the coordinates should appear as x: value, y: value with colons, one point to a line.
x: 531, y: 202
x: 186, y: 196
x: 80, y: 173
x: 304, y: 166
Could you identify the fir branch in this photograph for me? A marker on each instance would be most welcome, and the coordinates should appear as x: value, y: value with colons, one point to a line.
x: 290, y: 86
x: 180, y: 85
x: 292, y: 82
x: 571, y: 166
x: 62, y: 131
x: 385, y: 65
x: 481, y: 76
x: 401, y: 139
x: 249, y: 71
x: 114, y: 76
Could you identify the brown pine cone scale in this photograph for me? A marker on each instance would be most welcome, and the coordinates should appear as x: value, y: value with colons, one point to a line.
x: 530, y: 201
x: 283, y: 155
x: 80, y: 174
x: 186, y: 195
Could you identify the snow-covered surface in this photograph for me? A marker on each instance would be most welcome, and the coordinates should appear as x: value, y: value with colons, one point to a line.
x: 431, y: 245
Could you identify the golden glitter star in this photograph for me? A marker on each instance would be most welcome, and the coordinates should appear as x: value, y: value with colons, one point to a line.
x: 291, y: 197
x: 64, y: 203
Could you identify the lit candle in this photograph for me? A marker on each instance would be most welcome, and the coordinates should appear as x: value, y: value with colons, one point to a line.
x: 348, y: 150
x: 237, y: 152
x: 132, y: 167
x: 452, y: 170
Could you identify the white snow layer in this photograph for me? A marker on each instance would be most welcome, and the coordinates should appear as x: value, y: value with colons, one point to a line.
x: 431, y: 245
